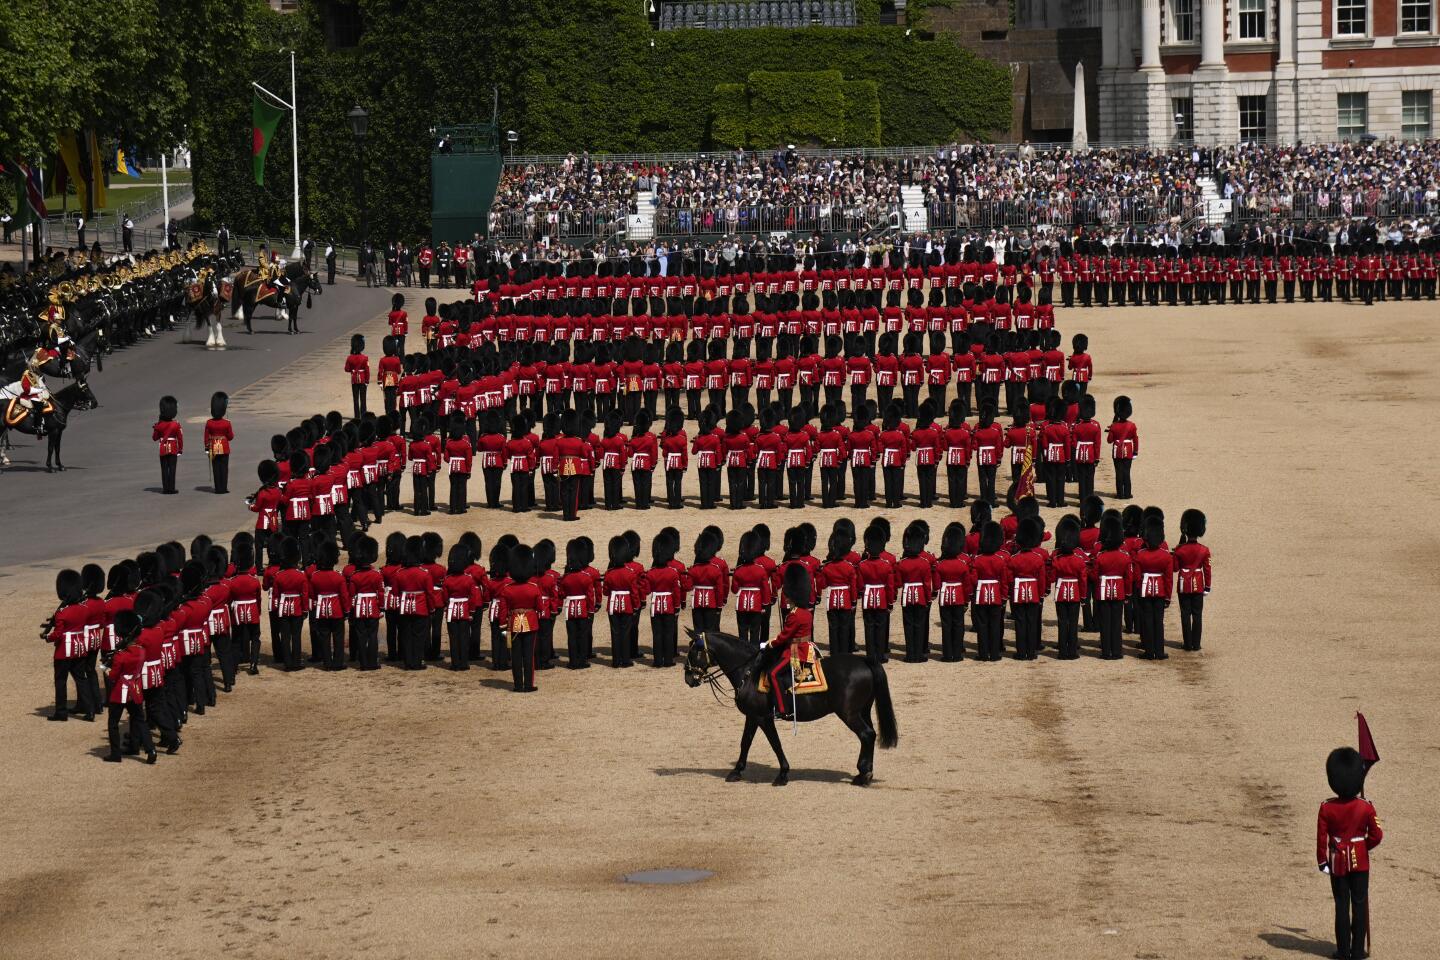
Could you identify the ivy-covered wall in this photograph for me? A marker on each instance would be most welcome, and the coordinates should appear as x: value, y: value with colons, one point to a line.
x: 569, y: 77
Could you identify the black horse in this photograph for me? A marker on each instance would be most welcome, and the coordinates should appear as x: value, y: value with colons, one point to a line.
x: 250, y: 292
x: 855, y: 682
x: 75, y: 396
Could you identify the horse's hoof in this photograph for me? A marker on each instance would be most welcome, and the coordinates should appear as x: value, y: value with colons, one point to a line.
x: 49, y: 469
x: 734, y: 776
x: 863, y: 779
x: 60, y: 468
x: 781, y: 778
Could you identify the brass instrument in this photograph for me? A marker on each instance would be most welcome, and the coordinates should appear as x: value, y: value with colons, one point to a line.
x: 65, y: 290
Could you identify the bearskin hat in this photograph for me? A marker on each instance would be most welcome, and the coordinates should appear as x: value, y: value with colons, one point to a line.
x: 169, y: 407
x: 1123, y: 408
x: 69, y: 587
x: 797, y: 585
x: 397, y: 301
x: 619, y: 552
x: 992, y: 538
x: 1192, y: 524
x: 1345, y: 770
x: 219, y: 403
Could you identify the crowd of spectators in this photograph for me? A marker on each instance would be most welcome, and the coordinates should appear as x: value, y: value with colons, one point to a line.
x: 979, y: 186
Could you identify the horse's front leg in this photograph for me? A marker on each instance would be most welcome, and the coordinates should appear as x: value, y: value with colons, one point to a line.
x: 746, y: 738
x: 773, y: 735
x: 54, y: 447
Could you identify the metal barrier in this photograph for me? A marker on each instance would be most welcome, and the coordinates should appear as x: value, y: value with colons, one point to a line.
x: 536, y: 223
x: 1335, y: 205
x: 805, y: 218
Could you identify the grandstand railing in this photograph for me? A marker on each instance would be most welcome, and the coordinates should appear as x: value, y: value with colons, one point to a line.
x: 802, y: 218
x: 1334, y: 205
x: 1064, y: 211
x: 557, y: 225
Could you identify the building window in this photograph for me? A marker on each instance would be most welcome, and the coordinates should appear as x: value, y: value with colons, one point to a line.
x: 1184, y: 110
x: 1415, y: 114
x: 1351, y: 18
x: 1416, y: 16
x: 1254, y: 119
x: 1350, y: 109
x: 1182, y: 21
x: 1252, y: 20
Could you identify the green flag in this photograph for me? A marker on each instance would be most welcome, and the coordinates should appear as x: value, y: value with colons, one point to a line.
x: 265, y: 117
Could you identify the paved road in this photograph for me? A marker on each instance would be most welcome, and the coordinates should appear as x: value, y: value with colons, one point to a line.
x: 109, y: 497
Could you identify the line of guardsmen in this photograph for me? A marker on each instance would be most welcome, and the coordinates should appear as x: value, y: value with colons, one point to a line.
x: 167, y: 621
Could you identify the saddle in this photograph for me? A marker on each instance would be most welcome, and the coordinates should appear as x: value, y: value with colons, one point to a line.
x: 809, y: 674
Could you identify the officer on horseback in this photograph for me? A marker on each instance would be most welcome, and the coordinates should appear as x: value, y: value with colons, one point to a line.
x: 794, y: 636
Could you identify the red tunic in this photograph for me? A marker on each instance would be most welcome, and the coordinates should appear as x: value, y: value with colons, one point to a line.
x: 1345, y: 833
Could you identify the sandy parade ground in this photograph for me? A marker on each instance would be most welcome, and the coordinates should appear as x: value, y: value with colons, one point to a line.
x: 1084, y: 809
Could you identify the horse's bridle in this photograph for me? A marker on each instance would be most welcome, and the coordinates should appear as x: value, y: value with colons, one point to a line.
x: 710, y: 672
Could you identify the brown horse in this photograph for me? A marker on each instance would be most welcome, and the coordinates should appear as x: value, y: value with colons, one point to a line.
x: 250, y: 292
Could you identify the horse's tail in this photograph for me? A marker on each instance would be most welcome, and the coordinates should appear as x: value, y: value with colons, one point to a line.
x: 884, y: 709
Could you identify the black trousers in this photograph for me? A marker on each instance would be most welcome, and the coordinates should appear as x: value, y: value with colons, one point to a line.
x: 987, y: 483
x: 643, y: 481
x: 915, y: 619
x: 158, y: 712
x: 73, y: 668
x: 768, y: 487
x: 877, y: 634
x: 432, y: 645
x: 1027, y: 630
x: 220, y: 468
x: 414, y: 636
x: 522, y: 491
x: 1068, y: 615
x: 864, y: 486
x: 1111, y: 614
x: 570, y: 497
x: 1352, y: 911
x: 674, y: 489
x: 459, y: 496
x: 957, y: 486
x: 245, y: 642
x: 499, y: 647
x: 228, y: 657
x: 799, y: 478
x: 739, y: 481
x: 357, y: 399
x: 620, y: 650
x: 664, y: 631
x: 459, y: 631
x: 327, y: 643
x: 952, y: 633
x: 752, y: 627
x: 614, y: 486
x: 989, y: 620
x: 365, y: 641
x: 705, y: 619
x: 1192, y: 617
x: 1122, y: 479
x: 927, y: 480
x: 831, y: 486
x: 139, y: 729
x: 577, y: 641
x: 1084, y: 480
x: 493, y: 476
x: 424, y: 491
x: 287, y: 641
x: 842, y: 631
x: 1150, y: 612
x: 709, y: 489
x: 522, y: 661
x: 894, y: 487
x: 167, y: 473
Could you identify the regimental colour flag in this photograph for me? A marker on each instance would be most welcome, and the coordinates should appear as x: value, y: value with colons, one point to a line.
x: 265, y: 118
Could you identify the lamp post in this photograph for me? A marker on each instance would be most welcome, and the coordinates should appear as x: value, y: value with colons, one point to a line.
x: 359, y: 122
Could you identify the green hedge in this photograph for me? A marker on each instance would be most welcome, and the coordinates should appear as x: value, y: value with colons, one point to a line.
x: 570, y: 77
x: 732, y: 116
x: 803, y: 107
x: 862, y: 113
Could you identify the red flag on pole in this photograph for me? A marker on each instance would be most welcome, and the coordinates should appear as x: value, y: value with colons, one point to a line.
x: 1368, y: 753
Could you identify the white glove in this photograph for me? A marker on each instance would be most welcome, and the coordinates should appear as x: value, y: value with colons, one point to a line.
x: 1325, y: 868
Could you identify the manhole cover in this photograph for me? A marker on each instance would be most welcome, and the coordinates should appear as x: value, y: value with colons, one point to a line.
x: 669, y: 876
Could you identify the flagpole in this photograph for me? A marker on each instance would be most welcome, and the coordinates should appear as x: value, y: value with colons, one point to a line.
x: 164, y: 198
x: 295, y: 152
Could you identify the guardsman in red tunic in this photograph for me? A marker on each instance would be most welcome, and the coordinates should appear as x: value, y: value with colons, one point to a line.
x: 954, y: 581
x: 1055, y: 450
x: 126, y: 667
x: 66, y: 630
x: 171, y: 439
x: 1346, y: 830
x: 1114, y: 578
x: 1155, y: 579
x: 1192, y: 565
x: 798, y: 628
x: 915, y: 580
x: 518, y: 607
x: 399, y: 322
x: 1124, y: 442
x: 877, y: 579
x: 1071, y: 575
x: 839, y: 584
x: 365, y: 586
x: 623, y: 594
x: 329, y: 605
x: 1029, y: 570
x: 357, y: 368
x: 219, y: 434
x: 664, y: 586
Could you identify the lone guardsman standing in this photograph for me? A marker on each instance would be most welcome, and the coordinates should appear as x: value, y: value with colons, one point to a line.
x: 1347, y: 831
